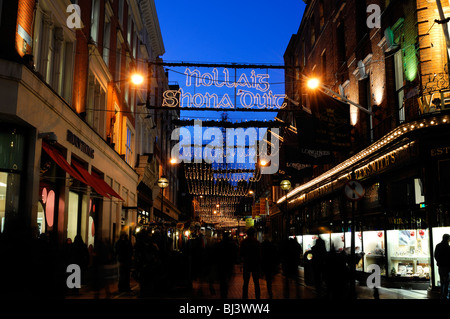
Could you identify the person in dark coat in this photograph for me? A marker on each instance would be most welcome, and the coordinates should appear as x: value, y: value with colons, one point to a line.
x: 270, y: 263
x: 124, y: 253
x: 250, y: 253
x: 319, y: 253
x: 442, y: 256
x: 80, y: 255
x: 225, y: 257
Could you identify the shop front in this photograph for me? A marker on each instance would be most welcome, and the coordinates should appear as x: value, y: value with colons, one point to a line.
x: 401, y: 217
x: 57, y: 175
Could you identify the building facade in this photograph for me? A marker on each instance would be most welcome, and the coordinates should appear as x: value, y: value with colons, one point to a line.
x: 78, y: 141
x: 397, y: 71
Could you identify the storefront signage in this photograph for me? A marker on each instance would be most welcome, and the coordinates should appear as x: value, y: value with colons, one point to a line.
x: 440, y: 151
x: 405, y: 221
x: 78, y: 143
x: 251, y: 90
x: 376, y: 166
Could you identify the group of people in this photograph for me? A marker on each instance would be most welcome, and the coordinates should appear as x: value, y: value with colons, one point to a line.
x: 263, y: 260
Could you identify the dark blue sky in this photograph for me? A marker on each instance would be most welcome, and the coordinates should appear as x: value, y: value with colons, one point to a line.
x: 239, y: 31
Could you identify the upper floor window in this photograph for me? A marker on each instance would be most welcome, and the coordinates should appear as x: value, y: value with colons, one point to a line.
x: 321, y: 15
x: 95, y: 17
x: 53, y: 52
x: 129, y: 146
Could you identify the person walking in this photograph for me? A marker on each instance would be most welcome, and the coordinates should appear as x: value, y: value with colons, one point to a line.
x: 250, y: 252
x: 124, y: 253
x: 442, y: 256
x: 270, y: 262
x: 225, y: 256
x: 319, y: 253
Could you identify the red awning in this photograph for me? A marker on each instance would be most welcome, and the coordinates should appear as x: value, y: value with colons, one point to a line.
x: 91, y: 180
x: 61, y: 161
x: 108, y: 189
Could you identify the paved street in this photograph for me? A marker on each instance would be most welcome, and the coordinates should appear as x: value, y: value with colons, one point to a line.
x: 202, y: 291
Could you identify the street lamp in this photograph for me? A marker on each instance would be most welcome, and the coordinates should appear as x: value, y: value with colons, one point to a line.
x: 286, y: 186
x: 314, y: 83
x: 137, y: 79
x: 163, y: 182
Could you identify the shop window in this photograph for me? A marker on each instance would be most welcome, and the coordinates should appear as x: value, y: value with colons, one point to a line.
x: 408, y: 253
x: 358, y: 248
x: 374, y: 250
x: 72, y: 215
x: 41, y: 219
x: 11, y: 162
x: 9, y: 197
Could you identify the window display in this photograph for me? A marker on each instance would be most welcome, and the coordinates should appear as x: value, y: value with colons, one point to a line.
x: 374, y: 250
x: 326, y: 239
x: 337, y: 241
x: 437, y: 238
x: 299, y: 239
x: 408, y: 253
x: 309, y: 241
x: 358, y: 248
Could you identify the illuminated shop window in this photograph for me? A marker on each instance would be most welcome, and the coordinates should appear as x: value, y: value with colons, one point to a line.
x: 408, y: 253
x: 374, y: 250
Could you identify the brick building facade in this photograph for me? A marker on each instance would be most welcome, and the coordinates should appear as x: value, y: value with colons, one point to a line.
x: 399, y: 72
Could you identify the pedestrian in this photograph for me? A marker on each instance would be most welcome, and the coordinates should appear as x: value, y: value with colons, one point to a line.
x: 442, y: 256
x: 250, y: 253
x: 319, y: 253
x: 225, y: 257
x: 124, y: 253
x: 80, y: 255
x: 270, y: 262
x: 290, y: 260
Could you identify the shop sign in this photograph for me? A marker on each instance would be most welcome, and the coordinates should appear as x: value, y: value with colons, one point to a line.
x: 78, y: 143
x: 440, y: 151
x: 376, y: 166
x: 404, y: 221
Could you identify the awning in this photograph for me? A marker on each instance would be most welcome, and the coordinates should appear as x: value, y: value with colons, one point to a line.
x: 108, y: 189
x: 91, y: 180
x: 97, y: 183
x: 61, y: 161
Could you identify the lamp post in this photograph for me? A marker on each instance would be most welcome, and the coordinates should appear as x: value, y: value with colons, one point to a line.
x: 286, y: 186
x: 163, y: 182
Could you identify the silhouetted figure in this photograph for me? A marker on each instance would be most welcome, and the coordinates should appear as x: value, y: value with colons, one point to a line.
x: 442, y: 256
x: 250, y: 252
x: 270, y: 262
x: 100, y: 259
x: 290, y: 260
x: 148, y: 263
x: 319, y: 252
x: 80, y: 256
x: 124, y: 253
x: 196, y: 254
x: 337, y: 275
x: 225, y: 257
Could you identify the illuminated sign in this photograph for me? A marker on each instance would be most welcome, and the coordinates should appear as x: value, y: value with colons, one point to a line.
x: 376, y: 166
x: 251, y: 90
